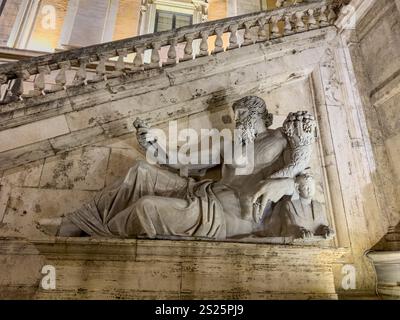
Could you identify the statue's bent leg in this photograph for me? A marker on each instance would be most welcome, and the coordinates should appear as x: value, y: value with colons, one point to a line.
x: 141, y: 180
x: 153, y: 215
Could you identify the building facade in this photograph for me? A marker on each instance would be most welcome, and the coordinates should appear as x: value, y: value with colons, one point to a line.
x: 83, y: 71
x: 48, y: 26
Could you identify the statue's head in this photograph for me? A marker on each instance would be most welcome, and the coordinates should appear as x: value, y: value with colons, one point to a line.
x: 251, y: 116
x: 305, y: 185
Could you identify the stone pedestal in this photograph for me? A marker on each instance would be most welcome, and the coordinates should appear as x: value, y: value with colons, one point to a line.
x: 386, y: 259
x: 167, y: 269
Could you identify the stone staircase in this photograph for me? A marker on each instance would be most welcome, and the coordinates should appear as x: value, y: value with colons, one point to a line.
x: 119, y: 58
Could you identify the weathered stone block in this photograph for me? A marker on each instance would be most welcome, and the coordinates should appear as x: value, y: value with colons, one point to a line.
x: 77, y: 139
x: 24, y: 176
x: 121, y: 160
x: 28, y: 205
x: 33, y: 132
x: 25, y: 154
x: 83, y: 169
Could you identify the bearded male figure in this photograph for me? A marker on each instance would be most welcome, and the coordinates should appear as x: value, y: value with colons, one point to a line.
x: 152, y: 201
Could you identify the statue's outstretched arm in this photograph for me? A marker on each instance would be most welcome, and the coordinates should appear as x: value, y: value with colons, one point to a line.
x: 150, y: 143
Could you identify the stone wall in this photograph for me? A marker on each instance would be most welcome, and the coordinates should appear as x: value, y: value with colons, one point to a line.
x: 375, y: 46
x: 67, y: 146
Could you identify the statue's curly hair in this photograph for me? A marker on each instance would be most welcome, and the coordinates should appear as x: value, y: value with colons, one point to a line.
x: 307, y: 175
x: 256, y: 106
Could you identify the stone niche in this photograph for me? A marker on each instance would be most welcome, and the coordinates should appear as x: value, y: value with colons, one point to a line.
x: 84, y: 140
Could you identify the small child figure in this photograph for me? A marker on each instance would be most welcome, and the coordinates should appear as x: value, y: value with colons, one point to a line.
x: 299, y: 218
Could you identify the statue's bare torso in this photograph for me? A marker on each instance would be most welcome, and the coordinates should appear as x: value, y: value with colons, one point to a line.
x: 268, y: 158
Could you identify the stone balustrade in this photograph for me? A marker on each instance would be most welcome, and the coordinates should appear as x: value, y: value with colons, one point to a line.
x: 110, y: 59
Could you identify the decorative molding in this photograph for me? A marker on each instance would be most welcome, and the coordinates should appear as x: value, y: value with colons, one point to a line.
x: 354, y: 11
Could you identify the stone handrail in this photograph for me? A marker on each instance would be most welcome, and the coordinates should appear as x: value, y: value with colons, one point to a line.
x: 257, y: 27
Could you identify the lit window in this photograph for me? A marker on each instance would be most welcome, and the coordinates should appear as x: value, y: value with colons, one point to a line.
x: 166, y: 20
x: 2, y: 5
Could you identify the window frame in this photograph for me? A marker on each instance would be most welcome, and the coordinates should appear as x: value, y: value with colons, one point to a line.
x: 148, y: 12
x: 2, y: 6
x: 174, y: 15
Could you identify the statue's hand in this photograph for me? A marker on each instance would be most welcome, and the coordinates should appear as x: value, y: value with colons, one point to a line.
x: 272, y: 190
x: 143, y: 134
x: 255, y: 199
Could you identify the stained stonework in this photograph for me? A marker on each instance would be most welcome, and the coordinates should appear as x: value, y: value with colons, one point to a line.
x: 143, y: 269
x: 67, y: 146
x: 373, y: 47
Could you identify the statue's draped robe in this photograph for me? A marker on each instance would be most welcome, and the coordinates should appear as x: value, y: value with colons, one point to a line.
x: 151, y: 201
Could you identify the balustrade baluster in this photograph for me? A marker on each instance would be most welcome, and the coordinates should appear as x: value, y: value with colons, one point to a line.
x: 322, y: 18
x: 61, y: 78
x: 248, y: 35
x: 188, y: 51
x: 204, y: 44
x: 288, y: 29
x: 233, y: 38
x: 81, y: 74
x: 15, y: 87
x: 3, y: 82
x: 276, y: 33
x: 312, y: 23
x: 39, y: 83
x: 155, y: 55
x: 138, y: 64
x: 100, y: 69
x: 331, y: 16
x: 263, y: 32
x: 299, y: 23
x: 119, y: 64
x: 171, y: 52
x: 219, y: 43
x: 16, y: 91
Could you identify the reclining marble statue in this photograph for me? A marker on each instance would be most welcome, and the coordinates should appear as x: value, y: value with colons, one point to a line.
x: 155, y: 201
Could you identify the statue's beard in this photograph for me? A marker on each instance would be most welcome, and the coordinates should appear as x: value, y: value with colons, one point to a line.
x: 246, y: 130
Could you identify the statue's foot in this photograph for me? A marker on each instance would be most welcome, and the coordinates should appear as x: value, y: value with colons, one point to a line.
x: 326, y: 232
x: 50, y: 226
x: 305, y: 234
